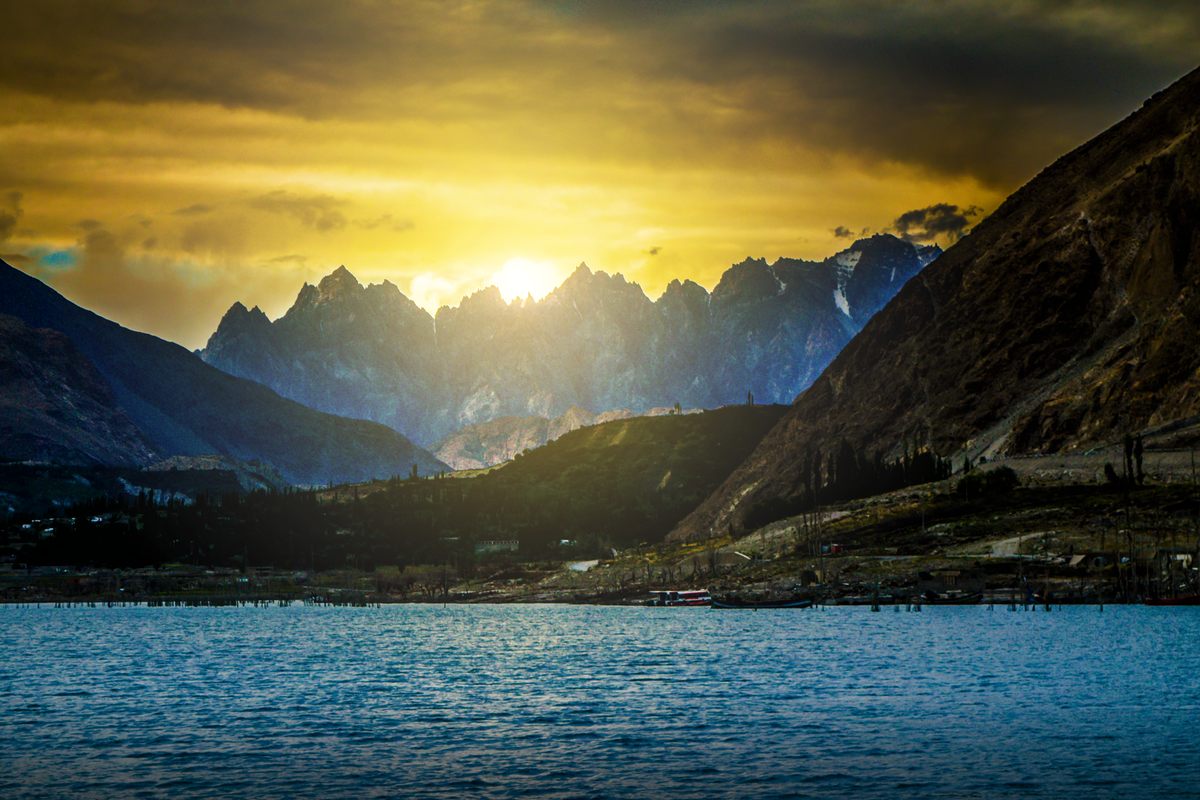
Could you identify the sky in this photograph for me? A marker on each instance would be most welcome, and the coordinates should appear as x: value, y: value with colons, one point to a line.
x: 160, y: 160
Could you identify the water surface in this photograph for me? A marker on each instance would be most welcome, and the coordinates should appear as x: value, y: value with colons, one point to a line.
x: 598, y: 702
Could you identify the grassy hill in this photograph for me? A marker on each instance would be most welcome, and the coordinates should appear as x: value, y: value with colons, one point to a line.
x: 622, y: 482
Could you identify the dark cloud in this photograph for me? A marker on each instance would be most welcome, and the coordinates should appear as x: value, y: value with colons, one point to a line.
x: 292, y: 258
x: 101, y: 244
x: 16, y: 259
x: 10, y: 214
x: 89, y: 225
x: 302, y: 56
x: 654, y: 251
x: 958, y: 88
x: 193, y: 210
x: 319, y: 212
x: 939, y: 221
x: 842, y: 232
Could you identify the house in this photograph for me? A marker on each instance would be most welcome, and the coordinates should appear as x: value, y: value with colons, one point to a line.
x: 496, y: 546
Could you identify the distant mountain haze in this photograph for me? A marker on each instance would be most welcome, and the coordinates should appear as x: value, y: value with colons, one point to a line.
x: 596, y: 343
x: 1066, y: 319
x: 179, y: 405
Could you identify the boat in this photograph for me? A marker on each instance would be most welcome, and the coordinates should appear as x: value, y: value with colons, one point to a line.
x: 681, y: 597
x: 734, y: 603
x: 932, y: 598
x: 1185, y: 600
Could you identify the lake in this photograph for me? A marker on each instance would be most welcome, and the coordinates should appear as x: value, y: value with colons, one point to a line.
x: 548, y: 701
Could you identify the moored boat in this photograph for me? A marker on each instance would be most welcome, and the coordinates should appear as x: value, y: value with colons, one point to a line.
x: 681, y: 597
x: 1185, y: 600
x: 735, y: 603
x: 932, y: 598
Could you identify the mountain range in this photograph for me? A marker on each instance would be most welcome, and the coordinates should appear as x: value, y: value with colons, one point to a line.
x: 1068, y: 318
x: 82, y: 389
x: 595, y: 343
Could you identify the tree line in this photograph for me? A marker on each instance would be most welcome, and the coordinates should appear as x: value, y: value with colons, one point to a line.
x: 849, y: 474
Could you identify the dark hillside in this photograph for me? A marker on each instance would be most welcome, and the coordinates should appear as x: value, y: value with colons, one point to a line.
x: 186, y: 407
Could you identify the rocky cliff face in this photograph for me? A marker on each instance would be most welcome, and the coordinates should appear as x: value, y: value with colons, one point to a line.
x: 596, y: 342
x: 364, y: 353
x: 1066, y: 319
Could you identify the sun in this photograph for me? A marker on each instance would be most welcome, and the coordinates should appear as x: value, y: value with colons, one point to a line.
x: 521, y: 277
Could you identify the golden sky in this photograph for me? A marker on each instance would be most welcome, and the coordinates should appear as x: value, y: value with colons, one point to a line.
x: 161, y: 160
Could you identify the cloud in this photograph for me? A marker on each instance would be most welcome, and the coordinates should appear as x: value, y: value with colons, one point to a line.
x: 16, y: 259
x: 577, y: 129
x: 939, y: 221
x: 1006, y: 89
x: 193, y: 210
x: 319, y: 212
x: 109, y: 274
x: 10, y: 214
x: 389, y: 222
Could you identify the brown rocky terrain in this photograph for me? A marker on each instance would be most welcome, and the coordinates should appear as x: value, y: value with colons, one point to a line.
x: 1068, y: 317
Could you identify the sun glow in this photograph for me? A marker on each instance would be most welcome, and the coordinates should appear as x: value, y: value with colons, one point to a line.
x: 521, y: 277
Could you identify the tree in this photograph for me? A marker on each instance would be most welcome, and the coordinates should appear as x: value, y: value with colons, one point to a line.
x: 1139, y: 475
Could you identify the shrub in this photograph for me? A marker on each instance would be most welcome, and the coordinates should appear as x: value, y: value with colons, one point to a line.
x: 987, y: 483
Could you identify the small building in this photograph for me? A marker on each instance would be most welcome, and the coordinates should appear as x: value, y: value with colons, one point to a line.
x: 496, y: 546
x: 950, y: 581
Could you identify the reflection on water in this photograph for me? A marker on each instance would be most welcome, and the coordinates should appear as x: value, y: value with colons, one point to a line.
x: 588, y: 702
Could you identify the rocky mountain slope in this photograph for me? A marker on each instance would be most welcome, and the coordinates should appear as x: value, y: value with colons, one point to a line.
x: 1067, y: 318
x: 56, y: 408
x: 596, y: 342
x: 183, y: 406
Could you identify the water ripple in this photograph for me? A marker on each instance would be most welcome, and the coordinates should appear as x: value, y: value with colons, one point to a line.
x: 581, y: 702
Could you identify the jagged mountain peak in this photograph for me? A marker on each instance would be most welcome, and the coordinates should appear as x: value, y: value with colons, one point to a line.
x: 927, y: 253
x: 239, y: 322
x: 688, y: 289
x: 749, y: 281
x: 338, y: 285
x: 485, y: 302
x: 596, y: 342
